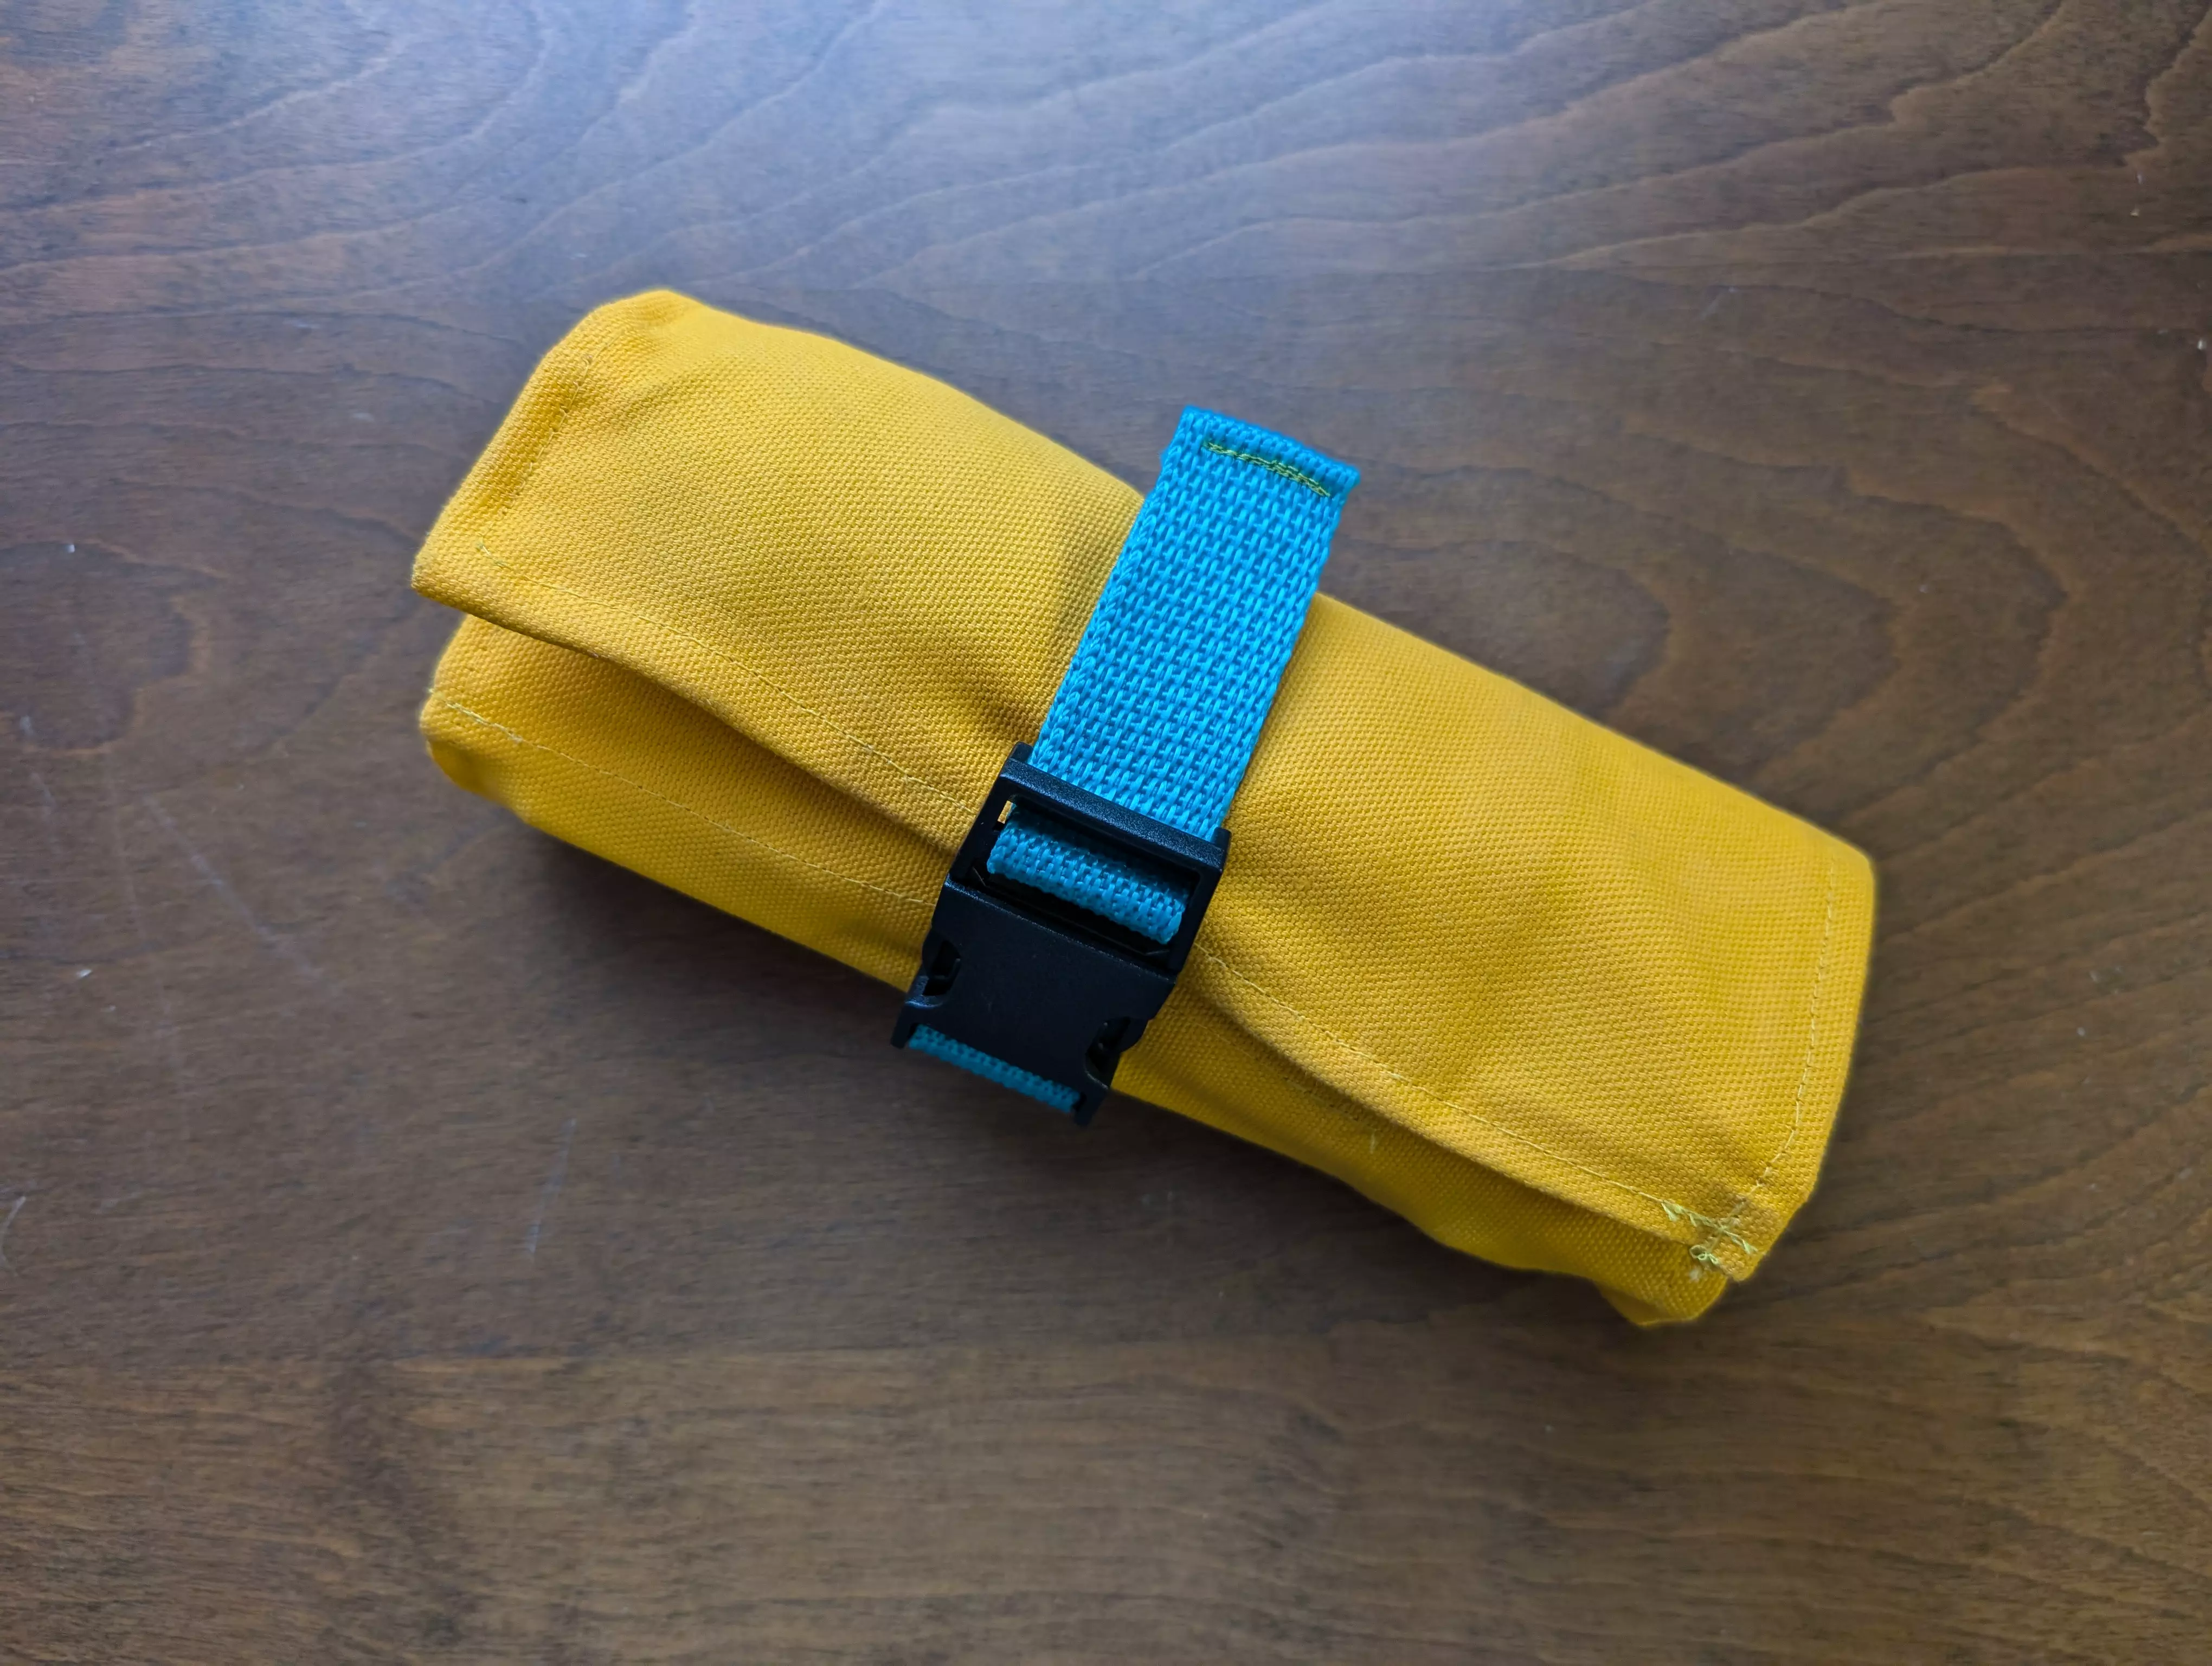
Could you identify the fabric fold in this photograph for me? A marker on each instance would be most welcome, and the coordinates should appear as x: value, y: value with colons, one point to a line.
x: 759, y: 615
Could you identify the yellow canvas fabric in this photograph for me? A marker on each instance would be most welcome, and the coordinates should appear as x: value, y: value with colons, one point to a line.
x: 759, y: 616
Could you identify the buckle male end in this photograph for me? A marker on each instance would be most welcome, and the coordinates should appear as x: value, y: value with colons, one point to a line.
x: 1037, y: 983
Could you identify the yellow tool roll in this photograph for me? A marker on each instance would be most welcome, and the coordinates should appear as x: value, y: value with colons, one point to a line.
x: 760, y: 615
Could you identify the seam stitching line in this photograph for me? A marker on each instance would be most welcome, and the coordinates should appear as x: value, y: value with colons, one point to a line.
x: 1270, y: 465
x: 1671, y: 1210
x: 1727, y: 1229
x: 571, y: 390
x: 783, y: 694
x: 439, y: 695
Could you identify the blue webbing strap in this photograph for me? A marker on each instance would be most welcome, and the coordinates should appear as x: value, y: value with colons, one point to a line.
x: 1163, y: 704
x: 1164, y: 701
x: 941, y: 1046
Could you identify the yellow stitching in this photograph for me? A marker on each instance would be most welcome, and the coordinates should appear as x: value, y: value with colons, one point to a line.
x: 1670, y: 1210
x: 1719, y: 1228
x: 1270, y: 465
x: 1727, y: 1229
x: 439, y: 696
x: 571, y: 389
x: 796, y: 704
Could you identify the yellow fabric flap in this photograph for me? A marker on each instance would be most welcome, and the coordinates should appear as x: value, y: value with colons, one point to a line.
x: 759, y: 615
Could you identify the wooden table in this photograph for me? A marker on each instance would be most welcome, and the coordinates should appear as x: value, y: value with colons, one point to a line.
x: 423, y: 1242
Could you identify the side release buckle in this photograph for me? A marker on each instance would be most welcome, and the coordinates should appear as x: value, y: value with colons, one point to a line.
x: 1040, y: 984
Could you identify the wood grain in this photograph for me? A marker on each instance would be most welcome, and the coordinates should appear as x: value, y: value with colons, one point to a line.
x: 425, y: 1242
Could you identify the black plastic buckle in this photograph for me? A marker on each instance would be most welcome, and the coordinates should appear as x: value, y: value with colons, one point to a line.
x: 1035, y: 981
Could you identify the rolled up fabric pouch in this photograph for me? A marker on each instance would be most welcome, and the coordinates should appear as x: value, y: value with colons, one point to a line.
x: 762, y: 616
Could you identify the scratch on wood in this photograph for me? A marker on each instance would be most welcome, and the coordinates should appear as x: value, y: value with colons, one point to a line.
x: 16, y: 1209
x: 551, y: 1189
x: 282, y: 946
x: 168, y: 1026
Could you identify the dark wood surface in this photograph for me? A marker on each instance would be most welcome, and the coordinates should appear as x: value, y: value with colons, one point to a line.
x: 423, y: 1242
